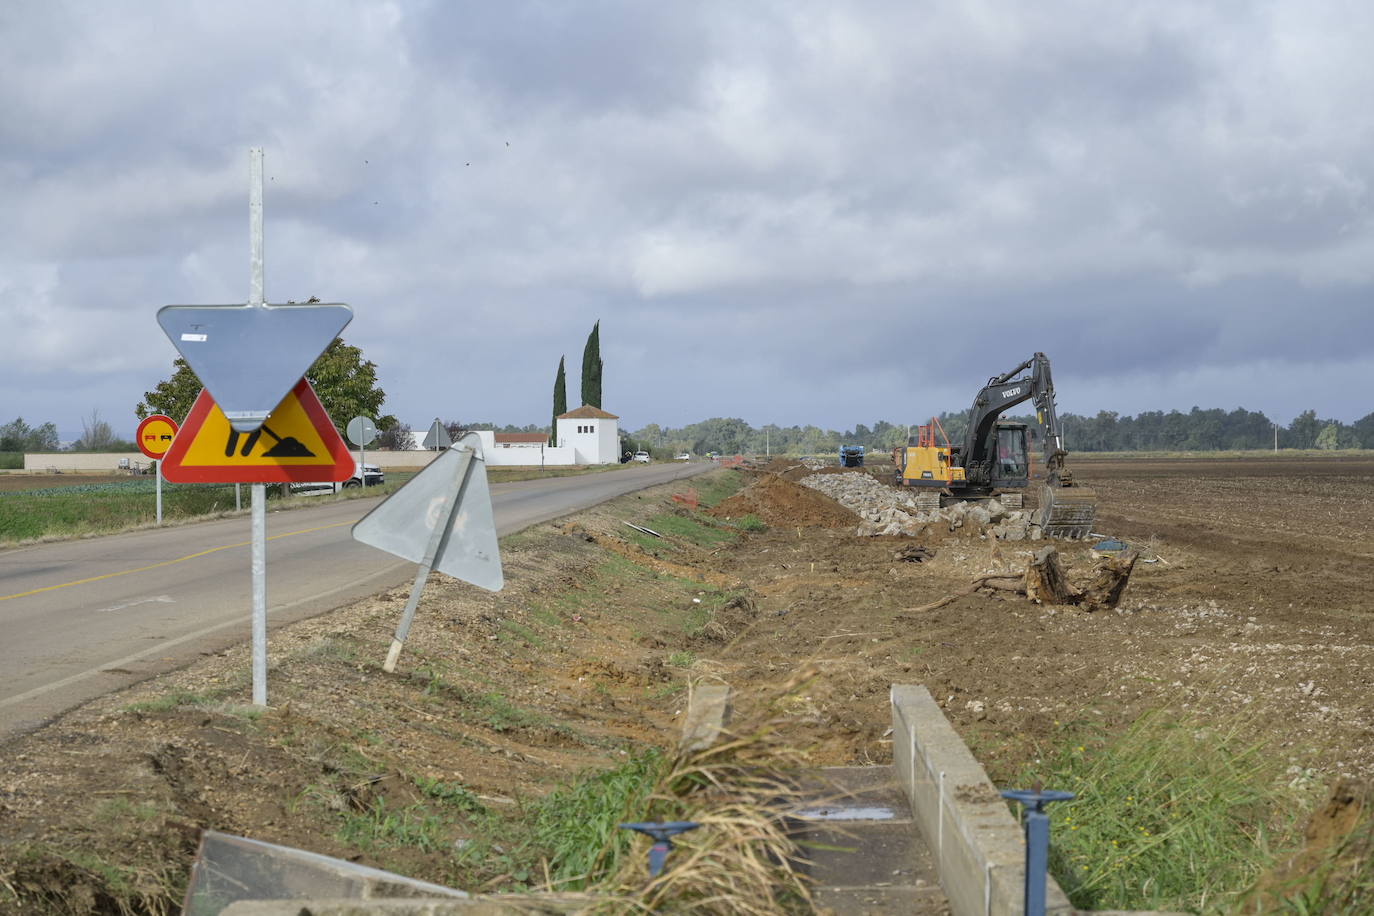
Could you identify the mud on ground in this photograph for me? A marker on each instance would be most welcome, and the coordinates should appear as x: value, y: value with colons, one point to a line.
x: 1261, y: 603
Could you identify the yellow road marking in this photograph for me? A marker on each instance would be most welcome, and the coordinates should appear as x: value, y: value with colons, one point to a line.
x: 189, y: 556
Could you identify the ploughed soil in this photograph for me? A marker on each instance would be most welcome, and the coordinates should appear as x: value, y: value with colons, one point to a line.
x: 1259, y: 604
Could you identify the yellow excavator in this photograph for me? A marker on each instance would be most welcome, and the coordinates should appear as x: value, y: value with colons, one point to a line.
x: 993, y: 460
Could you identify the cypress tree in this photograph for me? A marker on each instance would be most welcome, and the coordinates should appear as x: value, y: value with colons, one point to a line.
x: 591, y: 368
x: 560, y: 400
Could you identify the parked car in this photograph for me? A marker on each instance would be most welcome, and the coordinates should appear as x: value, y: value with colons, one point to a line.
x: 370, y: 475
x: 685, y: 456
x: 365, y: 475
x: 642, y: 456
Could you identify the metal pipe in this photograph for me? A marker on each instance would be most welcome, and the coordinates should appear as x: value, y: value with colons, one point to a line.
x: 1037, y: 827
x: 255, y: 288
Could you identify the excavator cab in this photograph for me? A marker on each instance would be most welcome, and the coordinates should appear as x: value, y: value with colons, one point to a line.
x: 1011, y: 462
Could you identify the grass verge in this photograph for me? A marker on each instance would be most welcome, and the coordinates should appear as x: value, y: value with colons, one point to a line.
x: 1169, y: 814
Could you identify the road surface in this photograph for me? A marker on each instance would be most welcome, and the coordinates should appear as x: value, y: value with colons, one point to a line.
x: 79, y: 619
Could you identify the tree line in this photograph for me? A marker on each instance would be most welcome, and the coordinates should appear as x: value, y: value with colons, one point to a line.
x: 1108, y: 431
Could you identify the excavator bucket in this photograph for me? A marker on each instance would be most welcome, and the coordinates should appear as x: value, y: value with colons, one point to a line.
x: 1067, y: 512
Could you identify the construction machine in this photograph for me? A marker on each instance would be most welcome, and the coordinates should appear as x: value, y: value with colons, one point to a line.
x: 851, y: 456
x: 993, y: 460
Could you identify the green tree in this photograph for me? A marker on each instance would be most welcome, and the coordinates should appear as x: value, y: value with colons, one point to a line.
x: 173, y: 396
x: 345, y: 382
x: 591, y: 368
x: 1328, y: 438
x: 1304, y: 429
x: 560, y: 400
x: 19, y: 436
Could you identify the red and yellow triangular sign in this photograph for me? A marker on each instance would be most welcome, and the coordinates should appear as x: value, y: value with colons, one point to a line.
x: 297, y: 444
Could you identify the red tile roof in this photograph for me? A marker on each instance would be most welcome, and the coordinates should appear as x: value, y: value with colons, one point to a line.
x: 519, y: 437
x: 587, y: 413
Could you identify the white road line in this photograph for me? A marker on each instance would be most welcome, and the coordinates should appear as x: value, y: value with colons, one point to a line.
x: 156, y: 599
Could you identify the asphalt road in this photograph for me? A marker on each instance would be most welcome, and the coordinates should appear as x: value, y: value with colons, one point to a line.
x: 79, y: 619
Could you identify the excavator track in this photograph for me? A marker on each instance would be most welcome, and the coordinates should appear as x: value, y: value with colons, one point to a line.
x: 927, y: 500
x: 1067, y: 512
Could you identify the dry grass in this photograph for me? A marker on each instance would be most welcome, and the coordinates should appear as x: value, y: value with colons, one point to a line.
x: 742, y: 859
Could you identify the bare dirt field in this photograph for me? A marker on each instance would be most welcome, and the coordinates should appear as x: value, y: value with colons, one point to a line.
x: 1259, y: 606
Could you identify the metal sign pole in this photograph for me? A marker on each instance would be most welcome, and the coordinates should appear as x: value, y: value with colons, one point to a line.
x: 238, y: 496
x: 437, y: 539
x: 259, y: 562
x: 157, y: 469
x: 259, y: 491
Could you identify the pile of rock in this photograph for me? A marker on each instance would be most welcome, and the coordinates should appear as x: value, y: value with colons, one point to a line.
x: 886, y: 510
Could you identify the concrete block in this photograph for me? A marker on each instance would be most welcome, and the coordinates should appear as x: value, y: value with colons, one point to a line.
x: 708, y: 714
x: 978, y: 846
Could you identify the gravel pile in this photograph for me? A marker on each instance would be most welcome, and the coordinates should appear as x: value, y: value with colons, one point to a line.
x: 886, y: 510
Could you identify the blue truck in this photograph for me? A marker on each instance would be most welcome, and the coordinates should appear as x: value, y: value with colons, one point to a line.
x: 851, y: 456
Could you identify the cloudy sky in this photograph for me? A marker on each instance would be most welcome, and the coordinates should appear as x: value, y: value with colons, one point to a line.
x: 789, y: 212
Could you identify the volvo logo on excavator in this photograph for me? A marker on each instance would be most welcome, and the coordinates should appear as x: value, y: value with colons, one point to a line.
x: 1011, y: 392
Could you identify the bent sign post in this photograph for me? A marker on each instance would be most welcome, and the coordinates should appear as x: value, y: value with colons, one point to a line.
x: 154, y: 437
x: 441, y: 519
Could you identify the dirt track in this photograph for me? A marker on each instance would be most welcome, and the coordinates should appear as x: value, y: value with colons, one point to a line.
x: 1260, y: 607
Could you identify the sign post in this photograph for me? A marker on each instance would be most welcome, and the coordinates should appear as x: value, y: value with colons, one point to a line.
x: 252, y: 359
x: 154, y: 437
x: 361, y: 431
x: 437, y: 438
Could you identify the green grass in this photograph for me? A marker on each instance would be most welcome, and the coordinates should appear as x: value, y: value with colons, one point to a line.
x: 103, y: 508
x: 1167, y: 815
x: 384, y: 827
x: 717, y: 486
x: 682, y: 659
x: 571, y: 834
x: 691, y: 528
x: 518, y: 631
x: 750, y: 523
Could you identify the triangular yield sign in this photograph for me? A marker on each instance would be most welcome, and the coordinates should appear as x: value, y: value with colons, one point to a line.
x: 248, y: 357
x: 297, y: 444
x: 404, y: 524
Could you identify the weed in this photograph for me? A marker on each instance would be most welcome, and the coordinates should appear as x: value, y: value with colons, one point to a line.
x: 692, y: 528
x: 718, y: 486
x: 576, y: 828
x: 520, y: 631
x: 453, y: 794
x: 750, y: 523
x: 1167, y: 815
x: 682, y: 659
x: 501, y: 715
x: 381, y: 827
x: 169, y: 701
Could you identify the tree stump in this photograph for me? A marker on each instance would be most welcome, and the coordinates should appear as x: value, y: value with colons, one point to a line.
x: 1047, y: 584
x: 1045, y: 579
x: 1108, y: 582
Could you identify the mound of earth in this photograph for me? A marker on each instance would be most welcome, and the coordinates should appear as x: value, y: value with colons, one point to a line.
x: 778, y: 501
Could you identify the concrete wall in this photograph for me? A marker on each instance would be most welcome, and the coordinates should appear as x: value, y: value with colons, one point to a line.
x: 521, y: 454
x: 979, y: 848
x: 72, y: 462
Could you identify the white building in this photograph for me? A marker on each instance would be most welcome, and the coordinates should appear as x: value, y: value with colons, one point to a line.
x: 521, y: 450
x: 593, y: 435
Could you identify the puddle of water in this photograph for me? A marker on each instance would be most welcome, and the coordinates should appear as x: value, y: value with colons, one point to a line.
x: 847, y: 813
